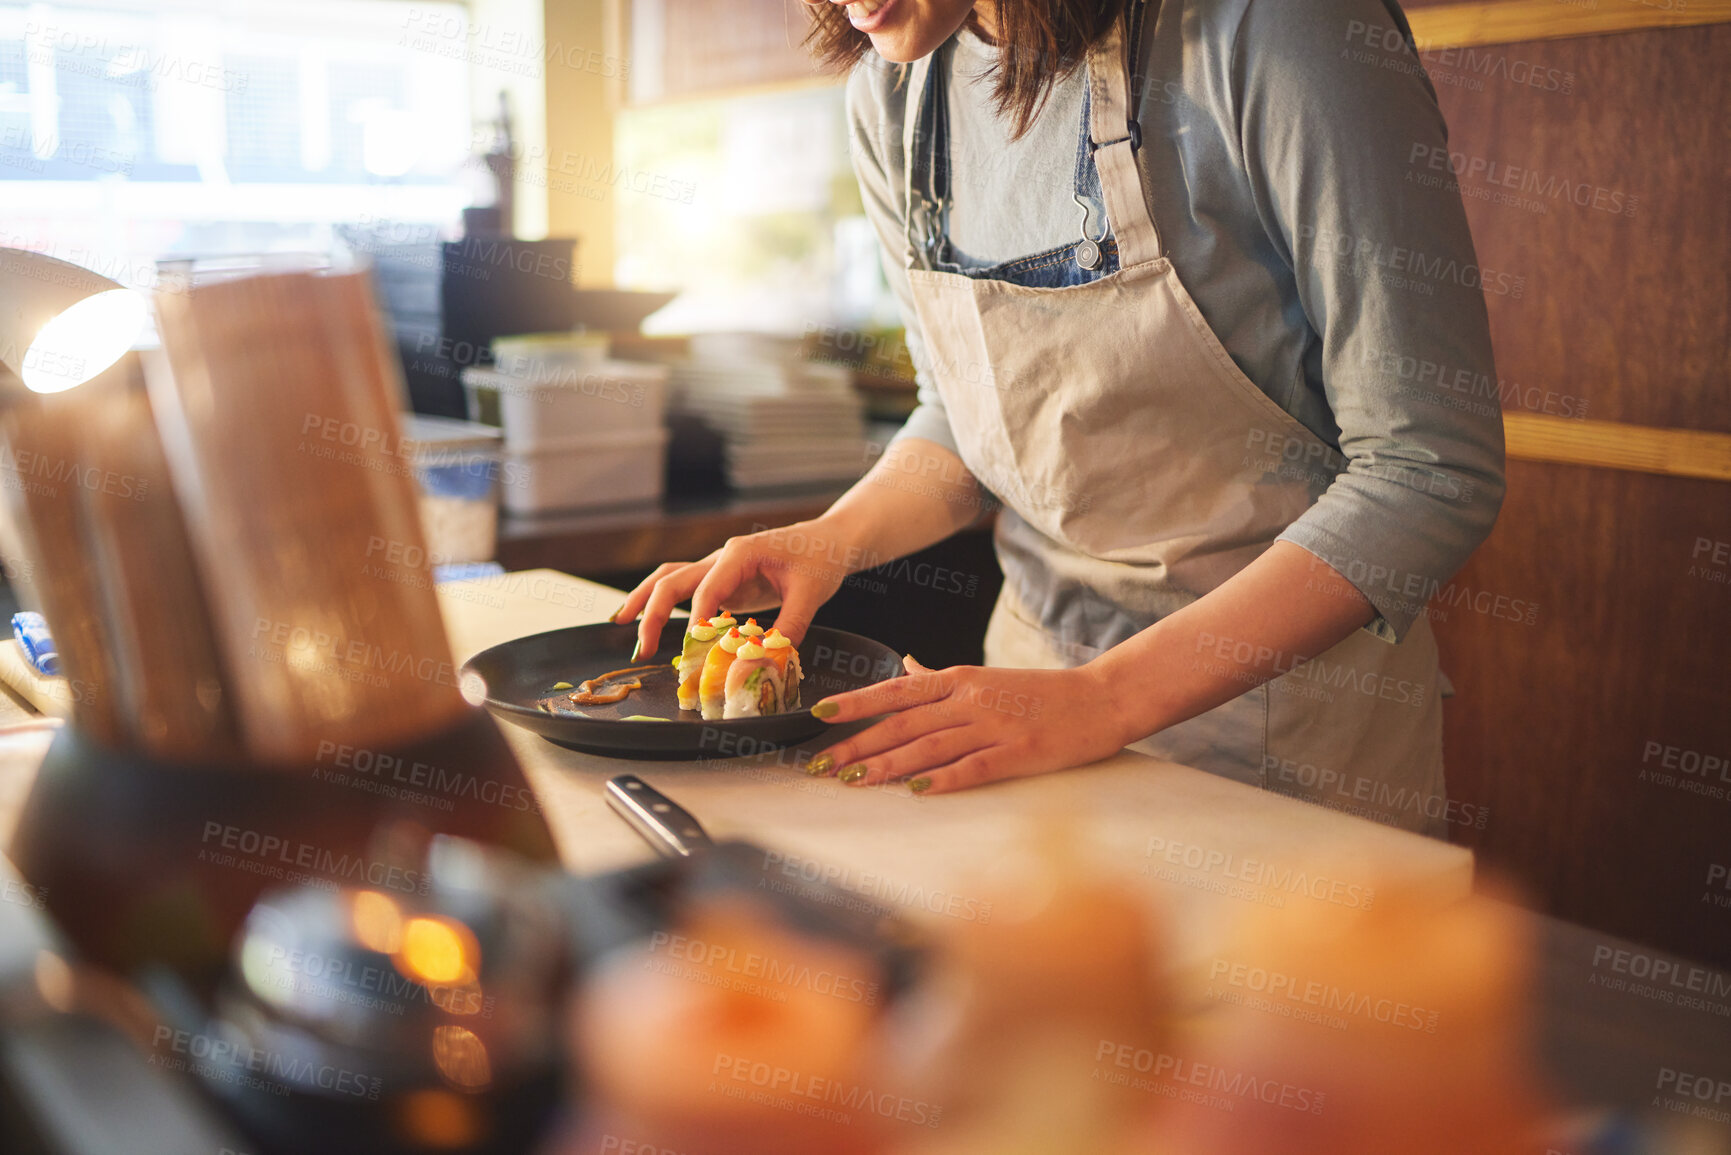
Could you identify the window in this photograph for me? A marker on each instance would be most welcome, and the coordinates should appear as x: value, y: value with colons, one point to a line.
x: 131, y: 130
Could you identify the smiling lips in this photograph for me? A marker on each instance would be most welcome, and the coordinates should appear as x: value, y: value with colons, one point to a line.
x: 860, y: 13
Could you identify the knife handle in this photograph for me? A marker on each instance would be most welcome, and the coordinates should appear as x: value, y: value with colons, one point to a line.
x: 666, y: 826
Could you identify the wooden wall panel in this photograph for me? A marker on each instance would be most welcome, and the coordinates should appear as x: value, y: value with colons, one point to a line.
x: 1627, y: 316
x: 1627, y: 667
x: 1630, y: 313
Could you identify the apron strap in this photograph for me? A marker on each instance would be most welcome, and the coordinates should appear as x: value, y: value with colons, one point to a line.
x: 1114, y: 150
x: 916, y: 211
x: 1109, y: 131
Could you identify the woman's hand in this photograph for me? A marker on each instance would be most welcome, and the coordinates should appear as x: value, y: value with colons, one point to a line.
x: 917, y: 493
x: 797, y: 567
x: 959, y: 727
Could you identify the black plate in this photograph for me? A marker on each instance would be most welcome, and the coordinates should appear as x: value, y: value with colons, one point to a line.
x: 519, y: 673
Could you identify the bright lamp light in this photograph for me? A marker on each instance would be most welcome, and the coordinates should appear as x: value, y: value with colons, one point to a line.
x: 61, y: 324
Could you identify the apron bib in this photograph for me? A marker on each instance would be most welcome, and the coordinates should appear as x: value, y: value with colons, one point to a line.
x: 1139, y: 469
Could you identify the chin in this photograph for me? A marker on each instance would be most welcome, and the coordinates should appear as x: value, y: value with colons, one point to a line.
x: 899, y: 48
x: 906, y: 45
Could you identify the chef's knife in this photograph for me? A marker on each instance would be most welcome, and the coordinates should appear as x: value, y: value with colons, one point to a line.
x: 666, y: 826
x: 693, y: 866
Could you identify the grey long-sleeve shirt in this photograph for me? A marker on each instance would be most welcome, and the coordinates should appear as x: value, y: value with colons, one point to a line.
x: 1297, y: 166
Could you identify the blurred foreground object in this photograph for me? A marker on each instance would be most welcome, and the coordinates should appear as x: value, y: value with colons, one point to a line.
x: 689, y: 1038
x: 743, y: 1016
x: 236, y: 630
x: 1007, y: 1033
x: 93, y: 534
x: 409, y: 1017
x: 60, y: 324
x: 1407, y: 1026
x: 1062, y: 1026
x: 282, y: 410
x: 31, y: 631
x: 734, y: 1032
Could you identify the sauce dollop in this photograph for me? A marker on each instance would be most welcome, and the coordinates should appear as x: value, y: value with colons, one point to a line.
x: 591, y: 694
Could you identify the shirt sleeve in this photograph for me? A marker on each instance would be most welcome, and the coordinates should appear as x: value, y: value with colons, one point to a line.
x: 875, y: 144
x: 1341, y: 137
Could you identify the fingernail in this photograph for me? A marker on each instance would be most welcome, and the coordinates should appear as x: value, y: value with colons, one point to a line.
x: 920, y: 785
x: 822, y: 764
x: 853, y: 773
x: 637, y: 650
x: 825, y: 710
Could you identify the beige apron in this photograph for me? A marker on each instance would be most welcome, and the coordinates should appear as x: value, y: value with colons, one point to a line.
x: 1140, y: 468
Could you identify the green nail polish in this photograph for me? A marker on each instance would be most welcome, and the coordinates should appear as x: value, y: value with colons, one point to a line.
x: 822, y: 764
x: 637, y: 650
x: 853, y: 774
x: 920, y: 785
x: 825, y: 710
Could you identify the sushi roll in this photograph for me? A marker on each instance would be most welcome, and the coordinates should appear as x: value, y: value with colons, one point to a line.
x: 753, y: 683
x: 712, y: 683
x: 700, y: 636
x: 785, y: 655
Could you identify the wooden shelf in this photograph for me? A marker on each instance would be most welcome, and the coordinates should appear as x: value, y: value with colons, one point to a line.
x: 1613, y: 445
x: 1466, y: 25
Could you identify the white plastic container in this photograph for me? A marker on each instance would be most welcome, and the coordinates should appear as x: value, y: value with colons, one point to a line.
x: 457, y: 469
x: 538, y: 402
x: 584, y: 472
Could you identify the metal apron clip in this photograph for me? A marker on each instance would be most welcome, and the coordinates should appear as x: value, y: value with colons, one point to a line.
x: 1088, y: 252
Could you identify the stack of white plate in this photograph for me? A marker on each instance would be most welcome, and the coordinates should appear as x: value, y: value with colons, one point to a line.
x: 782, y: 421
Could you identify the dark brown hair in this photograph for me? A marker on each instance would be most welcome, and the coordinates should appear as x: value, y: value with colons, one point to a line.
x: 1038, y: 42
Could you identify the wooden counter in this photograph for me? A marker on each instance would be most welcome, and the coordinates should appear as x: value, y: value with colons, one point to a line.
x: 1185, y: 839
x: 1204, y: 849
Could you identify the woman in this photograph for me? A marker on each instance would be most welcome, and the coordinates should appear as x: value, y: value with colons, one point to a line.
x: 1182, y: 304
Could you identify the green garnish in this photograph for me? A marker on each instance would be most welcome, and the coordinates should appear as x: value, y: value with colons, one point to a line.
x: 563, y: 686
x: 643, y: 718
